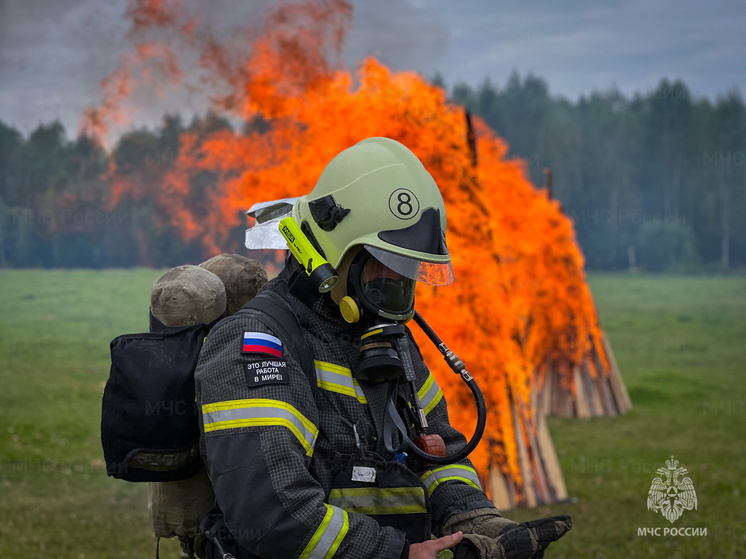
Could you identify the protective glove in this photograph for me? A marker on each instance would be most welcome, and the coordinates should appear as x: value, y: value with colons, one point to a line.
x: 515, y: 541
x: 484, y: 522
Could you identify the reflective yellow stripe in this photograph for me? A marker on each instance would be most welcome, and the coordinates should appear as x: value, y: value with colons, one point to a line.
x: 260, y: 413
x: 371, y: 333
x: 340, y: 536
x: 430, y: 394
x: 328, y: 535
x: 375, y: 500
x: 335, y: 378
x: 434, y: 478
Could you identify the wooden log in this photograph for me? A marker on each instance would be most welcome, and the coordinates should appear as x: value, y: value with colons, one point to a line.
x: 538, y: 476
x: 500, y: 489
x: 604, y: 388
x: 585, y: 389
x: 539, y: 378
x: 563, y: 402
x: 605, y: 385
x: 620, y: 392
x: 621, y: 395
x: 555, y: 479
x: 581, y: 400
x: 592, y: 391
x: 523, y: 460
x: 546, y: 392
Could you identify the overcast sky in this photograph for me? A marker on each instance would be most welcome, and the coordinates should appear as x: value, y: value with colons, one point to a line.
x: 53, y: 53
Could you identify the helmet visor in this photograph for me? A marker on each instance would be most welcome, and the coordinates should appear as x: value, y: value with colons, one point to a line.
x: 431, y: 273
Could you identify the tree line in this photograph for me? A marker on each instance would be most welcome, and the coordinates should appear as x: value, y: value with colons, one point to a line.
x: 56, y: 195
x: 655, y: 182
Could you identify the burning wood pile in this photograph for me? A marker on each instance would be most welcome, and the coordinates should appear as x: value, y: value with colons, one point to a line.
x: 584, y: 394
x: 520, y: 313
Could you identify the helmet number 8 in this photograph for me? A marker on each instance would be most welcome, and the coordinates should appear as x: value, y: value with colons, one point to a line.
x: 403, y: 203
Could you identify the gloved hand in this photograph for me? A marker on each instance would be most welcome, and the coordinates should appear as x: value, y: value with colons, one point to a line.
x: 515, y: 541
x: 484, y: 522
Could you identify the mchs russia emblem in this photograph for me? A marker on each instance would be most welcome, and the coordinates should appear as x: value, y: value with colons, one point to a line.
x: 671, y: 493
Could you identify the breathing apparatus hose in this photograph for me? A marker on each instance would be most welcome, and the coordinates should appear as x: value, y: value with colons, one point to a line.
x: 458, y: 367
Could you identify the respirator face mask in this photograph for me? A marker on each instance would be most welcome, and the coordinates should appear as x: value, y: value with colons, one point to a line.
x: 386, y: 298
x: 382, y: 291
x: 383, y: 282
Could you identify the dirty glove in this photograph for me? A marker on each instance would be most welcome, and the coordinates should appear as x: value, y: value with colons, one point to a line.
x: 515, y: 541
x: 484, y: 522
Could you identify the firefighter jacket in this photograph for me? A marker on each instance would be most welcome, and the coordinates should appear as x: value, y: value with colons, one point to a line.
x: 273, y: 448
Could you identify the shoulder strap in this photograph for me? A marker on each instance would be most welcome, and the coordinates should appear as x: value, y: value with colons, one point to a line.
x: 272, y: 309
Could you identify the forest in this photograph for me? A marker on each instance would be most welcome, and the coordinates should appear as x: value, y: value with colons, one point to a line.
x: 654, y: 182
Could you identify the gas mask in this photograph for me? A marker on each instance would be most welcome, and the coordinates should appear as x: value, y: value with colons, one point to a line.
x: 380, y: 290
x: 384, y: 297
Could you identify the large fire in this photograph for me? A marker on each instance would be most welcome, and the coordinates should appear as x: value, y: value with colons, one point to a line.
x: 520, y: 302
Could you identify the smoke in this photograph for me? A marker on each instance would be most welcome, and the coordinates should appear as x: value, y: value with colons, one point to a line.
x: 54, y: 53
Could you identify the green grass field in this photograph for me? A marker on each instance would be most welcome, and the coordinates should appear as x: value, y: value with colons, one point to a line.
x: 680, y: 343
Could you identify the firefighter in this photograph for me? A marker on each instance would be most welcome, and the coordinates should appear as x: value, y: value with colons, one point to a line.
x: 307, y: 469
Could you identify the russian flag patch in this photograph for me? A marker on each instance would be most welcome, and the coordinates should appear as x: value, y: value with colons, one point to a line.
x: 258, y: 342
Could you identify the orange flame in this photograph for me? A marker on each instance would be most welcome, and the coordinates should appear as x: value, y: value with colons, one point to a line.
x: 520, y: 299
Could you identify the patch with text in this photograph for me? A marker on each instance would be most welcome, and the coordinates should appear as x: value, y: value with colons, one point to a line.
x: 267, y: 371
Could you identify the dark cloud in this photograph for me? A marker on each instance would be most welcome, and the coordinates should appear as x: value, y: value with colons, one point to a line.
x: 579, y: 46
x: 53, y: 54
x: 402, y: 35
